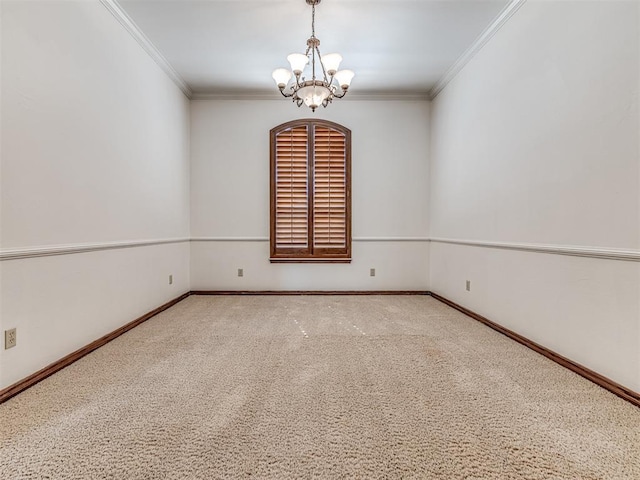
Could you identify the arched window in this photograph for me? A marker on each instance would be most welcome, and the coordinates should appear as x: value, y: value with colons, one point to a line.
x: 310, y: 192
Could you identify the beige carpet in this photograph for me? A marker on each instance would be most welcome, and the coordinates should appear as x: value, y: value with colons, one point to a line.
x: 317, y: 387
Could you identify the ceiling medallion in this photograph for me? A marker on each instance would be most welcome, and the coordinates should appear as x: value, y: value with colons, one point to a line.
x: 319, y: 90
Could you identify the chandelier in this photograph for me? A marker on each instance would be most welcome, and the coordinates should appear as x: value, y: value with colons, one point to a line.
x: 320, y: 90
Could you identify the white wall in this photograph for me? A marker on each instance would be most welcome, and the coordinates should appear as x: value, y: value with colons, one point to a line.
x: 536, y: 141
x: 230, y: 196
x: 95, y: 150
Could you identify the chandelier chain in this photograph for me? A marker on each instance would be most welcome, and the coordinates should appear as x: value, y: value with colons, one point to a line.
x: 313, y: 35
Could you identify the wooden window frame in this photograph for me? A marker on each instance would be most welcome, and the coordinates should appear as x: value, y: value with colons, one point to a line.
x: 310, y: 254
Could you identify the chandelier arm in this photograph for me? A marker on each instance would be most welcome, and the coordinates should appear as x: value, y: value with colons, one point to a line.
x: 344, y: 92
x: 298, y: 85
x: 285, y: 95
x: 313, y: 63
x: 324, y: 72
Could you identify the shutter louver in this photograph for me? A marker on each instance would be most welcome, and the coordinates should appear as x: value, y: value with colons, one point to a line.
x: 292, y: 206
x: 330, y: 190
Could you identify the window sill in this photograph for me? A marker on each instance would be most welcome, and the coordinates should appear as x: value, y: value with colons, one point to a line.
x: 309, y: 260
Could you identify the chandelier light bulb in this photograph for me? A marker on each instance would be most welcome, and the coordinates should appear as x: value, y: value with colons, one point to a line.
x: 281, y: 77
x: 331, y: 62
x: 344, y: 78
x: 298, y: 61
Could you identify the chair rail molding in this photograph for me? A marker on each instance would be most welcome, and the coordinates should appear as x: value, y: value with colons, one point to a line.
x: 47, y: 251
x: 230, y: 239
x: 266, y: 239
x: 574, y: 251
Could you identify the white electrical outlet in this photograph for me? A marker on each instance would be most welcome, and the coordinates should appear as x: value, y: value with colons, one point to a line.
x: 241, y: 272
x: 10, y: 338
x: 372, y: 272
x: 170, y: 279
x: 468, y: 285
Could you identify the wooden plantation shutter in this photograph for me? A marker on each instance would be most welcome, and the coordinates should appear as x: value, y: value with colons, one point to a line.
x: 329, y: 190
x: 292, y: 185
x: 310, y: 192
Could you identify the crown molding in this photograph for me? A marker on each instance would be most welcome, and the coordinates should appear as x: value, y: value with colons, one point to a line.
x: 130, y: 26
x: 275, y: 96
x: 480, y: 42
x: 382, y: 96
x: 48, y: 251
x: 574, y: 251
x: 236, y: 95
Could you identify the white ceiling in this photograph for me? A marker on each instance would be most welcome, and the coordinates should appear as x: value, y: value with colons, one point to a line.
x: 394, y: 46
